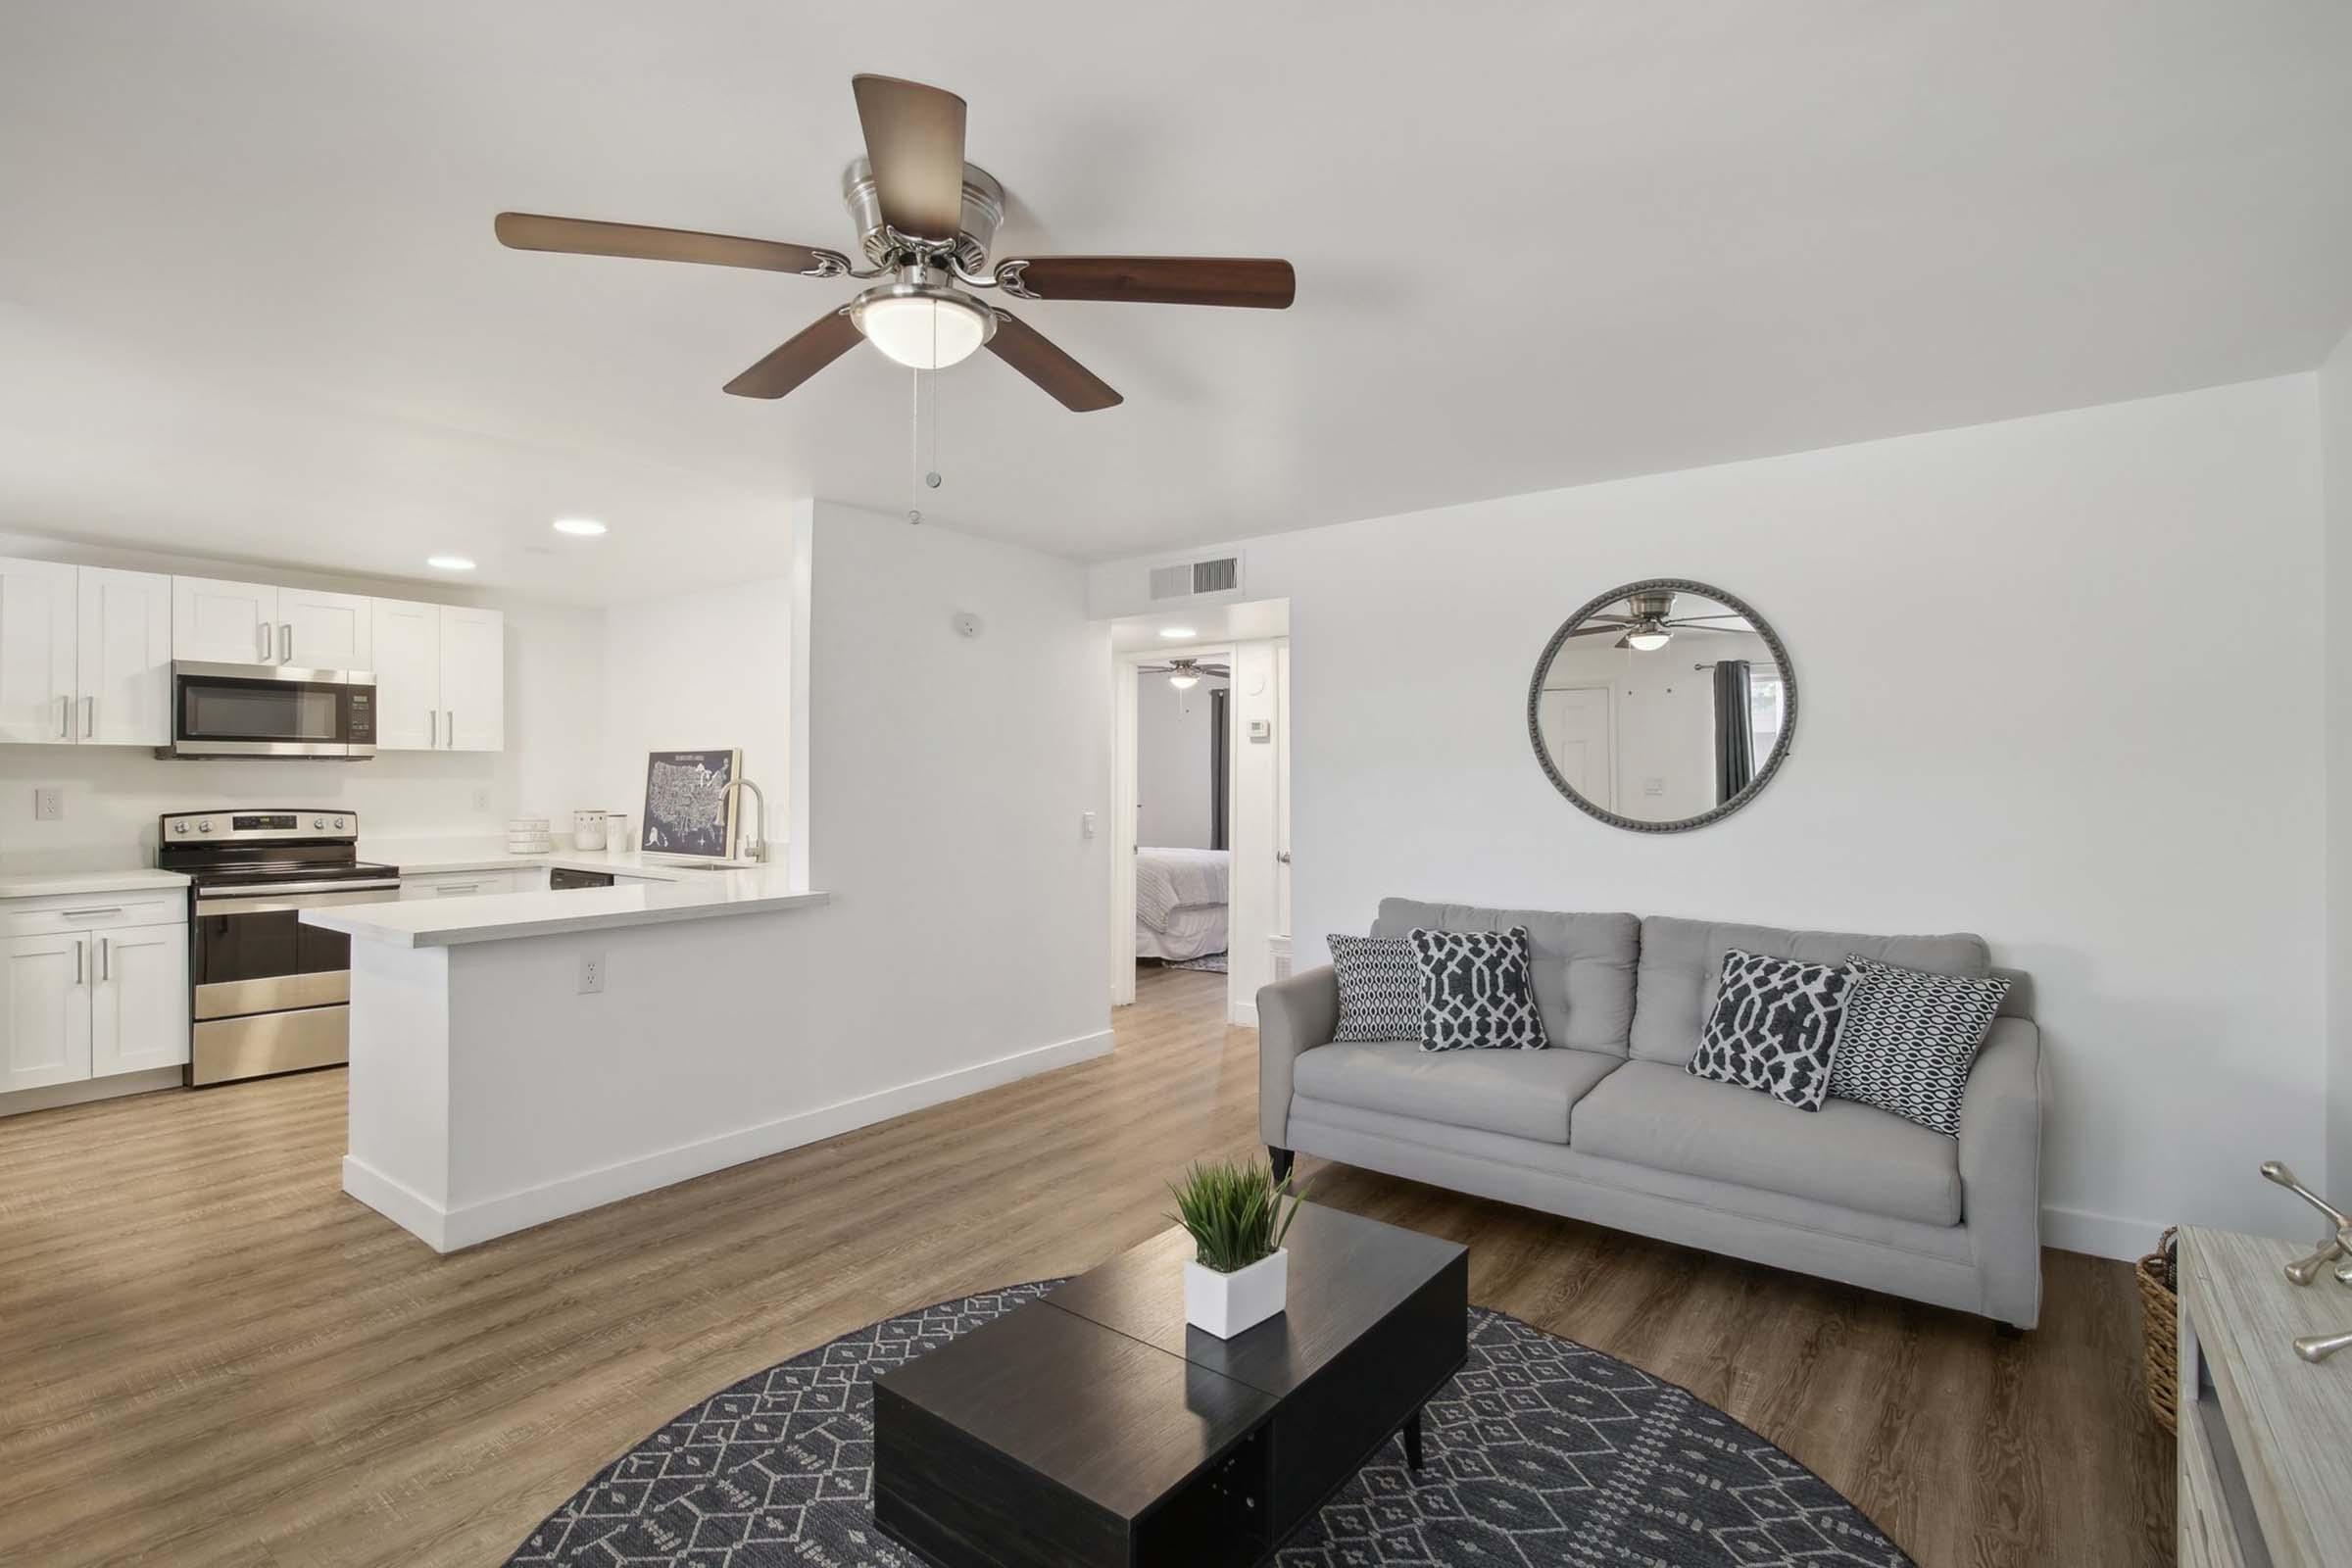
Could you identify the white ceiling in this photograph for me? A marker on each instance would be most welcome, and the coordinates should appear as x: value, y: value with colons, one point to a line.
x: 250, y: 303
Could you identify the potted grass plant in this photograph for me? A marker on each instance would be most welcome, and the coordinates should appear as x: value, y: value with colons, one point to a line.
x: 1238, y: 1275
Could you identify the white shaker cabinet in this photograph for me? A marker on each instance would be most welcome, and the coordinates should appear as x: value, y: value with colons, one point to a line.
x: 126, y: 658
x: 325, y: 631
x: 45, y: 1010
x: 224, y: 622
x: 474, y: 679
x: 139, y: 998
x: 407, y: 675
x: 37, y: 608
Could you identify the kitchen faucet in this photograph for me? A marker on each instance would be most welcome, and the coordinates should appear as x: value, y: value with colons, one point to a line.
x: 755, y: 844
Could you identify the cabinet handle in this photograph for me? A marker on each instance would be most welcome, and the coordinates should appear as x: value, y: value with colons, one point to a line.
x: 86, y: 915
x: 106, y: 958
x: 81, y: 947
x: 451, y: 727
x: 432, y: 726
x: 89, y: 718
x: 261, y: 630
x: 285, y: 643
x: 64, y: 718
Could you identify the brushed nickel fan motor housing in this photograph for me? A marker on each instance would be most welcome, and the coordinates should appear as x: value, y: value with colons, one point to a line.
x: 983, y: 212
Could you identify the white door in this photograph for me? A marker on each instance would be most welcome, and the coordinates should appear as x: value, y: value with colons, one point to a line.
x: 139, y: 998
x: 125, y: 662
x: 1282, y: 789
x: 407, y: 675
x: 224, y: 622
x: 474, y: 679
x: 1583, y: 741
x: 325, y: 631
x: 36, y: 652
x: 44, y: 1011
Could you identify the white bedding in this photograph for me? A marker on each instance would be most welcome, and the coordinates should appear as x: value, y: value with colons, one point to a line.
x: 1180, y: 900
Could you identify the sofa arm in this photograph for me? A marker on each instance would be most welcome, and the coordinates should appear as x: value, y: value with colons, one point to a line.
x: 2001, y: 1169
x: 1292, y: 1016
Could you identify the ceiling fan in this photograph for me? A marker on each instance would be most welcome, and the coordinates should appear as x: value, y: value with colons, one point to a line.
x: 1185, y: 673
x: 925, y: 220
x: 1653, y: 623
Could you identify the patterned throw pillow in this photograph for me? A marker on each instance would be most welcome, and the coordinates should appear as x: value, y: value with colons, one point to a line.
x: 1774, y: 1027
x: 1911, y: 1039
x: 1476, y: 992
x: 1379, y: 987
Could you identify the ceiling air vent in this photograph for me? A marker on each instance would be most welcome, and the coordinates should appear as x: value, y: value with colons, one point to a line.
x: 1190, y: 579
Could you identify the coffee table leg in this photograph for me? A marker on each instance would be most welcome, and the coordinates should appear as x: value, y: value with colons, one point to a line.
x: 1412, y: 1441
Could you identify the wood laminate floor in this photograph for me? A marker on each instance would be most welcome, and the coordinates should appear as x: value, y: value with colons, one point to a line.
x: 209, y: 1356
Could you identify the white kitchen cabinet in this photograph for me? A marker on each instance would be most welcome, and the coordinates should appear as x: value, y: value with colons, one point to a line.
x: 124, y: 666
x: 407, y: 675
x: 474, y: 679
x: 36, y: 652
x: 223, y: 622
x: 44, y: 1010
x: 468, y: 884
x: 139, y: 998
x: 325, y: 631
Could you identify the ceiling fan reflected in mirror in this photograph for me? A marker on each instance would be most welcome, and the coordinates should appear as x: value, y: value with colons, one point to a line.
x: 1185, y: 673
x: 925, y: 221
x: 1653, y: 623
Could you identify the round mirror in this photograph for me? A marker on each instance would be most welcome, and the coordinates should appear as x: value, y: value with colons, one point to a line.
x: 1662, y: 705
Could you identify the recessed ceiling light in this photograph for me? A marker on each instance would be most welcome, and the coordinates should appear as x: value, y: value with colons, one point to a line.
x: 585, y: 527
x: 448, y: 562
x: 1178, y: 631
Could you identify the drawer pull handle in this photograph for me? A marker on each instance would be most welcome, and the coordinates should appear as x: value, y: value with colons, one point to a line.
x: 85, y: 915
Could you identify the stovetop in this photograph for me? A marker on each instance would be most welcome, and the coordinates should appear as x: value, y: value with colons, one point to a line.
x: 265, y: 848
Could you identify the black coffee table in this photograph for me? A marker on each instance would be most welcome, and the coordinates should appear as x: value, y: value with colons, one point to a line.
x: 1096, y: 1428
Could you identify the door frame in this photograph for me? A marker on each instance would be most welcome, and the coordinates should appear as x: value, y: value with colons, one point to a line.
x: 1126, y: 737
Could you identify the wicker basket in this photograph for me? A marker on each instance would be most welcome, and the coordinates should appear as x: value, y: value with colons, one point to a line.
x: 2160, y: 1333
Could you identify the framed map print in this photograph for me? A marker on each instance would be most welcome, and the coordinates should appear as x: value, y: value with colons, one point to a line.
x: 689, y: 810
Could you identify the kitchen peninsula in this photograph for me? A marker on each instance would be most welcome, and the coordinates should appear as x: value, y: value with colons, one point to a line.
x: 519, y: 1057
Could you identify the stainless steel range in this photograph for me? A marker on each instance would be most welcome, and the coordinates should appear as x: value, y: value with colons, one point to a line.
x: 268, y: 993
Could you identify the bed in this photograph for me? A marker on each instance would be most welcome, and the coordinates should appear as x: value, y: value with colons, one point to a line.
x: 1180, y: 901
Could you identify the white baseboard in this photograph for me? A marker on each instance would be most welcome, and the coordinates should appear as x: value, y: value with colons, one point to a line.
x: 49, y: 1097
x: 1244, y: 1014
x: 2078, y: 1230
x: 469, y: 1224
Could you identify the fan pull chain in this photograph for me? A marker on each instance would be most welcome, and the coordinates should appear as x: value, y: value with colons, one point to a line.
x: 914, y: 438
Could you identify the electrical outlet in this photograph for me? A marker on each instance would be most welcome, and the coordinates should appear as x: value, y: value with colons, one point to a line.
x: 592, y: 974
x: 481, y: 800
x: 48, y: 803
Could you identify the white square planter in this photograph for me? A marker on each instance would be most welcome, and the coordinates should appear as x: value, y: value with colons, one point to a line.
x: 1225, y: 1305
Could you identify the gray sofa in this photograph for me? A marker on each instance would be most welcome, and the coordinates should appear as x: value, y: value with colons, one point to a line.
x: 1607, y: 1126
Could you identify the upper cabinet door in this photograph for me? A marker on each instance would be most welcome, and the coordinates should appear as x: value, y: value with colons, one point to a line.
x: 36, y: 652
x: 407, y: 675
x: 325, y: 631
x: 474, y: 679
x: 125, y: 662
x: 224, y: 622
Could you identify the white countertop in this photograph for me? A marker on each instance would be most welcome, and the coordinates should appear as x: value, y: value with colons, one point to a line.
x: 668, y: 893
x: 114, y: 879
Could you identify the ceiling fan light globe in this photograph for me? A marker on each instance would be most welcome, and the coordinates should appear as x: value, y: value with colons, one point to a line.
x: 1649, y: 639
x: 1183, y: 681
x: 923, y: 329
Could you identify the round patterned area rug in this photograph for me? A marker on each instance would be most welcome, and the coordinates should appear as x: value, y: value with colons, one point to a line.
x: 1539, y: 1451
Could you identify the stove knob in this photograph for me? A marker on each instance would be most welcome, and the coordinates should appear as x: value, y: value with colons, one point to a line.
x: 318, y: 822
x: 205, y: 826
x: 338, y: 823
x: 179, y: 827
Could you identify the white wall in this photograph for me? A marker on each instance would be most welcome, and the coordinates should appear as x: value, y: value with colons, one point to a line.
x: 2124, y: 803
x: 1172, y: 750
x: 114, y: 794
x: 2335, y: 433
x: 700, y: 671
x: 940, y: 784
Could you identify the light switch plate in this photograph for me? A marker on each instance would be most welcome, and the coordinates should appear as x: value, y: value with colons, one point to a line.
x: 48, y: 803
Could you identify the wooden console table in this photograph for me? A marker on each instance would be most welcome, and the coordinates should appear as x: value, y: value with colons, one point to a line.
x: 2266, y: 1438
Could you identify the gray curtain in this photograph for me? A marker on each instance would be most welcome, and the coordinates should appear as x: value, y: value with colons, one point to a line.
x: 1735, y: 730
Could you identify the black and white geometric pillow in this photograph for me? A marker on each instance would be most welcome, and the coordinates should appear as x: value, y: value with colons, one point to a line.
x: 1379, y: 987
x: 1911, y: 1039
x: 1475, y: 990
x: 1774, y: 1027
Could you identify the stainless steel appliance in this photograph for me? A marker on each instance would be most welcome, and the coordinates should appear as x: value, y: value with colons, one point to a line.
x: 268, y: 993
x: 560, y: 877
x: 270, y: 710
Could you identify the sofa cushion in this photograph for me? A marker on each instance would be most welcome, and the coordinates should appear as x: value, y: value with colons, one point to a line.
x: 1582, y: 965
x: 1674, y: 990
x: 1474, y: 991
x: 1380, y: 986
x: 1852, y: 1156
x: 1521, y: 1094
x: 1774, y: 1025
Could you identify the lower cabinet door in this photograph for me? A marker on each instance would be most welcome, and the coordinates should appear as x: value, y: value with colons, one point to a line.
x: 44, y: 1010
x: 139, y: 1002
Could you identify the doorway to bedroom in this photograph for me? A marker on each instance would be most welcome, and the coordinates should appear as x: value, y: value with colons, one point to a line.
x: 1202, y: 870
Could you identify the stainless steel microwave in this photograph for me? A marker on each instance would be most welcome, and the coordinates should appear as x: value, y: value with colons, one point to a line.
x: 270, y: 710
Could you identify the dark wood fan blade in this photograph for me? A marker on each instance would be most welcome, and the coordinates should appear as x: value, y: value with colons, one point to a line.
x: 1259, y: 282
x: 914, y: 141
x: 798, y: 357
x: 1072, y: 385
x: 1595, y: 631
x: 585, y: 237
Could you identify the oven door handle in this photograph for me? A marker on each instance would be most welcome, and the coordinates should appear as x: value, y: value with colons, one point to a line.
x: 314, y: 896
